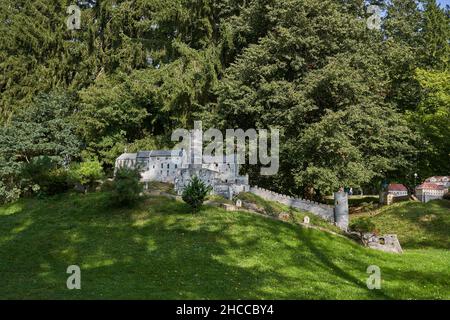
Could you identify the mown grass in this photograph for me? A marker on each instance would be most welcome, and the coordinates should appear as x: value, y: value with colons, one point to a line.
x: 417, y: 225
x: 158, y: 250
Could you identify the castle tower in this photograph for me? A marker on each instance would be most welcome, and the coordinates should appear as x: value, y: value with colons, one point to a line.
x: 196, y: 146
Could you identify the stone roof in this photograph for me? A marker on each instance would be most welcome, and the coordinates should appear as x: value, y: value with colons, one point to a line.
x: 158, y: 153
x: 163, y: 153
x: 127, y: 156
x: 396, y: 187
x: 143, y: 154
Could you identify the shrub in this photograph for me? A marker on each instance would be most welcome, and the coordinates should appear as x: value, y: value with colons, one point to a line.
x: 447, y: 196
x: 126, y: 188
x: 363, y: 225
x: 195, y: 192
x: 8, y: 195
x: 107, y: 185
x: 41, y: 176
x: 37, y: 167
x: 34, y: 173
x: 55, y: 181
x: 86, y: 173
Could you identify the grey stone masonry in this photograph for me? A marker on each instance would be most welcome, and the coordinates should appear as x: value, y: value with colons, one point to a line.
x: 322, y: 210
x: 341, y: 217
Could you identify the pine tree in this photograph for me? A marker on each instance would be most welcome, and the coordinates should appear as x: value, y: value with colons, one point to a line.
x: 320, y: 77
x: 436, y: 34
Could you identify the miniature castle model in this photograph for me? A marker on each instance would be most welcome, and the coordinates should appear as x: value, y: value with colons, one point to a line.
x: 179, y: 166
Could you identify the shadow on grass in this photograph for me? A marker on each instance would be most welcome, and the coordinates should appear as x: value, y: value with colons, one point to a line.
x: 157, y: 251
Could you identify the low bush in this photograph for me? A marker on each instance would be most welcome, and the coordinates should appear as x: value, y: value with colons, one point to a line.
x: 108, y: 185
x: 86, y: 174
x: 194, y: 193
x: 55, y: 181
x: 126, y: 187
x: 8, y: 195
x: 42, y: 176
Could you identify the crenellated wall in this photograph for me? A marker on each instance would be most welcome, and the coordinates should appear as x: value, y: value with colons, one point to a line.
x: 322, y: 210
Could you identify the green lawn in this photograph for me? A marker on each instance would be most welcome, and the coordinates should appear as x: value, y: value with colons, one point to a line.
x: 418, y: 225
x: 158, y: 251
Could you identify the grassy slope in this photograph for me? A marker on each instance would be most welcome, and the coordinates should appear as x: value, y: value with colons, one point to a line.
x: 159, y: 251
x: 418, y: 225
x: 273, y: 208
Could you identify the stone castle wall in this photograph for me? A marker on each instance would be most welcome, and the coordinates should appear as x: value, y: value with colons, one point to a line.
x: 322, y: 210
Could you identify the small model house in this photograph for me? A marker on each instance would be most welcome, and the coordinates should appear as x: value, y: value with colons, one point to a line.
x: 430, y: 191
x: 397, y: 190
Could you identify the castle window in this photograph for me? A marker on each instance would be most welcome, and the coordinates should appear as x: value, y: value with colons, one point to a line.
x: 168, y: 166
x: 162, y: 165
x: 176, y: 166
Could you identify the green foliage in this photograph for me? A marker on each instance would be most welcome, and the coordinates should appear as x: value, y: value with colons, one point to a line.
x: 35, y: 170
x: 86, y: 173
x: 320, y: 78
x: 8, y: 193
x: 107, y: 185
x: 126, y: 188
x: 339, y: 152
x: 38, y: 139
x: 43, y: 176
x: 195, y: 193
x: 436, y: 33
x: 55, y: 181
x: 338, y: 91
x: 431, y: 121
x: 363, y: 225
x: 42, y: 129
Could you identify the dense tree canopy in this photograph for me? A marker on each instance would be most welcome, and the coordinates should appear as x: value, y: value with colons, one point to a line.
x: 40, y: 137
x: 354, y: 105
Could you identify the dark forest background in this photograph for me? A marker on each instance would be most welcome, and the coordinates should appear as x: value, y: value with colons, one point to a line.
x: 356, y: 107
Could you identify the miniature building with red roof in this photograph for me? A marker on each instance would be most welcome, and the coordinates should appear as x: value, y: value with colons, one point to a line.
x: 430, y: 191
x: 397, y: 190
x: 440, y: 180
